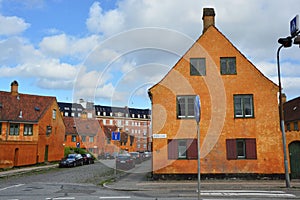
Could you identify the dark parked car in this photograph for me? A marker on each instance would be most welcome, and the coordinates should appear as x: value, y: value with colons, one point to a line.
x: 105, y: 156
x: 88, y: 158
x: 146, y: 155
x: 136, y: 156
x: 71, y: 160
x: 125, y: 161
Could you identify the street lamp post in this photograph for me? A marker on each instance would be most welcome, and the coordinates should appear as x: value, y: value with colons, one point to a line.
x: 286, y: 42
x: 281, y: 118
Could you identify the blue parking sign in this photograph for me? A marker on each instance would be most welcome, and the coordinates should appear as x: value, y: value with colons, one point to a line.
x: 115, y: 136
x: 294, y: 25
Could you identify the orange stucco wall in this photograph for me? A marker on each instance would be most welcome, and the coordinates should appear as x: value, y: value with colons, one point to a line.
x: 217, y: 112
x: 55, y: 140
x: 28, y: 150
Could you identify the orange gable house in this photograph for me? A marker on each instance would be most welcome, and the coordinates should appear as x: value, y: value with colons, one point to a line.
x: 239, y: 125
x: 292, y: 120
x: 31, y: 129
x: 91, y: 134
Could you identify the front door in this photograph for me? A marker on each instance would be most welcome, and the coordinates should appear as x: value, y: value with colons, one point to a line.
x: 294, y: 150
x: 46, y: 153
x: 16, y: 158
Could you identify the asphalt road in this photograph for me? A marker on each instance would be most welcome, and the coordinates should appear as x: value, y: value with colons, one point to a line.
x: 84, y: 182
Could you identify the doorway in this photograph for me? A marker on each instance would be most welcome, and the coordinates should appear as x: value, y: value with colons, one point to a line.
x: 16, y: 157
x: 46, y: 153
x: 294, y: 153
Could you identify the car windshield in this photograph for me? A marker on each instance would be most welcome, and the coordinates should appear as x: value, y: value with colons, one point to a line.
x: 123, y: 157
x: 71, y: 156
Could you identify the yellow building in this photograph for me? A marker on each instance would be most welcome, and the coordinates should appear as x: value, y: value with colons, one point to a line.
x: 239, y: 124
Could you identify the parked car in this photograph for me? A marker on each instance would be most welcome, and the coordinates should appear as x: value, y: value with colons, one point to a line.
x: 105, y: 156
x: 71, y: 160
x: 136, y: 156
x: 146, y: 155
x: 125, y: 161
x: 87, y: 158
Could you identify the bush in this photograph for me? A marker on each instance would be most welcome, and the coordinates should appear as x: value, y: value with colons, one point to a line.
x: 69, y: 150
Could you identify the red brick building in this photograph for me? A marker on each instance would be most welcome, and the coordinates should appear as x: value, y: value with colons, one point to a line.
x: 31, y: 129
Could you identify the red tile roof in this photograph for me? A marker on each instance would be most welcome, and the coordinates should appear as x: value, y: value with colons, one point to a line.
x: 70, y: 126
x: 23, y: 107
x: 87, y: 126
x: 292, y: 110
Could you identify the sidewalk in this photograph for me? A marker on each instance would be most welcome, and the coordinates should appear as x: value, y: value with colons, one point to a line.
x: 135, y: 182
x: 12, y: 172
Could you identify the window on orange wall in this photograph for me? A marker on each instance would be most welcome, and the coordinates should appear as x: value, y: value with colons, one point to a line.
x: 91, y: 139
x: 73, y: 139
x: 296, y: 128
x: 197, y: 66
x: 53, y: 114
x: 182, y: 149
x: 185, y: 106
x: 228, y: 65
x: 288, y: 127
x: 243, y: 106
x: 14, y: 129
x: 28, y: 130
x: 241, y: 149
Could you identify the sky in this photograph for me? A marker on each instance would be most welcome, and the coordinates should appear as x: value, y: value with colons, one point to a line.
x: 111, y: 52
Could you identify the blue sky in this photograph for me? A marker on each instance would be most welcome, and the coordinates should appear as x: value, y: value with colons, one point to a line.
x: 111, y: 52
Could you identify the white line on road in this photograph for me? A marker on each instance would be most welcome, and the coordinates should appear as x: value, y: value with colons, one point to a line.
x: 116, y: 197
x: 275, y: 194
x: 13, y: 186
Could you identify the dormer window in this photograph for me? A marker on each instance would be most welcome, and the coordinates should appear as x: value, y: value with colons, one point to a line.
x: 14, y: 129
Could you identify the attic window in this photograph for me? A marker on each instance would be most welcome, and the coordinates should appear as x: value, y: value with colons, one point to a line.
x: 36, y: 108
x: 1, y: 105
x: 228, y: 65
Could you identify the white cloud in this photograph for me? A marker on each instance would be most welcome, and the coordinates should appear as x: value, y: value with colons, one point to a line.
x: 108, y: 23
x: 64, y: 45
x: 12, y: 25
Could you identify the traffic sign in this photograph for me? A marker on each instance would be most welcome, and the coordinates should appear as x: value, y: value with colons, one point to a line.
x: 78, y: 145
x: 115, y: 136
x: 197, y: 108
x: 294, y: 26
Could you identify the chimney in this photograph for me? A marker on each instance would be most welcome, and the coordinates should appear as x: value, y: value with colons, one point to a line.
x: 208, y: 18
x: 14, y: 88
x: 283, y: 97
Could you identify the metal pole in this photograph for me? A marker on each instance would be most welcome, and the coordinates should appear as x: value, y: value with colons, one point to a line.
x: 281, y: 118
x: 199, y: 177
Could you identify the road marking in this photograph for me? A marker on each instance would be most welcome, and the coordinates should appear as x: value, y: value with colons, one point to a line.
x: 61, y: 198
x: 116, y: 197
x: 13, y: 186
x: 228, y: 193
